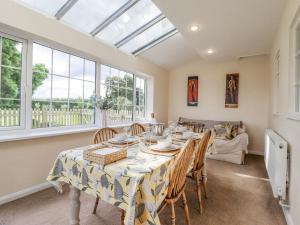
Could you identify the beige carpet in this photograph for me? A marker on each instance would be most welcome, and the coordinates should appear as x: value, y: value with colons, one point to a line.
x: 238, y: 195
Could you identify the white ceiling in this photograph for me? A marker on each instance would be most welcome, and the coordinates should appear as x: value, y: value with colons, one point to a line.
x: 173, y: 51
x: 233, y: 28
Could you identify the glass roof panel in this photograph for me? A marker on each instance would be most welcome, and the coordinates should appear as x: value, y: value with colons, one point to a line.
x: 131, y: 20
x: 47, y: 6
x: 149, y: 35
x: 86, y: 15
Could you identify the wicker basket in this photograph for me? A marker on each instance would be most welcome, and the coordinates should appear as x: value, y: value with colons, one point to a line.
x: 106, y: 158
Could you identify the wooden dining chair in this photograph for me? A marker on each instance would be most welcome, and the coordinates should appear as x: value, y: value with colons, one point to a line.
x: 176, y: 188
x: 198, y: 173
x: 102, y: 135
x: 136, y: 129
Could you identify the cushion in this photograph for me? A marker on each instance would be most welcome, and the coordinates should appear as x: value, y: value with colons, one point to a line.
x: 227, y: 130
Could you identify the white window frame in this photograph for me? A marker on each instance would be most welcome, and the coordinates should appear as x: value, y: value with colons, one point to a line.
x: 64, y: 50
x: 293, y: 114
x: 276, y: 84
x: 146, y: 102
x: 25, y: 131
x: 22, y: 117
x: 145, y: 97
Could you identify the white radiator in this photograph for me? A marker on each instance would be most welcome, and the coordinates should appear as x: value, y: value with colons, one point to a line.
x: 276, y: 160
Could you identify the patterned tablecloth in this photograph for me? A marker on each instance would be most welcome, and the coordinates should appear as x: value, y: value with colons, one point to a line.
x: 137, y: 184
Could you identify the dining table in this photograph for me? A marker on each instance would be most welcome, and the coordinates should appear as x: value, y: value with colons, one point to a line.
x: 137, y: 184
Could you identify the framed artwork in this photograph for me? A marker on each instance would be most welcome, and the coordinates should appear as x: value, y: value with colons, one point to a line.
x: 192, y: 91
x: 232, y: 90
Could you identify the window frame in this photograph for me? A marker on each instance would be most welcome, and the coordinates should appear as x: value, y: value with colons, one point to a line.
x: 293, y: 114
x: 276, y: 84
x: 25, y: 130
x: 23, y: 93
x: 145, y: 78
x: 63, y: 50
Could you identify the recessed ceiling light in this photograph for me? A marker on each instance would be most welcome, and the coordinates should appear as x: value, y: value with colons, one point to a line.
x: 210, y: 51
x: 194, y: 28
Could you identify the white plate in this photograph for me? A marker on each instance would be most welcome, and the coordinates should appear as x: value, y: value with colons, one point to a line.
x: 128, y: 140
x: 167, y: 149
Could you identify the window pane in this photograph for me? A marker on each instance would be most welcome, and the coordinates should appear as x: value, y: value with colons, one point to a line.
x: 10, y: 83
x: 76, y: 90
x: 11, y: 111
x: 41, y: 114
x: 60, y: 63
x: 89, y: 89
x: 149, y: 35
x: 48, y: 6
x: 42, y: 58
x: 139, y: 98
x: 60, y: 115
x: 41, y: 86
x: 11, y: 53
x: 60, y: 88
x: 89, y: 70
x: 76, y: 67
x: 131, y: 20
x: 86, y: 15
x: 105, y: 72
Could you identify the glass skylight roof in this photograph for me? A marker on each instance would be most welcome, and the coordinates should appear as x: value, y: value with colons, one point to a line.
x: 86, y: 15
x: 47, y: 6
x: 140, y: 14
x: 148, y: 36
x: 131, y: 25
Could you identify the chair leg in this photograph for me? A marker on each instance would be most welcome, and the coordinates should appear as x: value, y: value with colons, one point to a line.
x: 122, y: 216
x: 96, y: 205
x: 198, y: 190
x: 173, y: 215
x: 186, y: 209
x: 204, y: 182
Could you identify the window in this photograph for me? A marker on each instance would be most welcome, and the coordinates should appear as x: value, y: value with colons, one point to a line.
x: 11, y: 64
x: 46, y: 6
x: 62, y: 86
x: 91, y: 13
x: 297, y: 70
x: 121, y: 85
x: 139, y: 98
x: 50, y: 89
x: 276, y: 83
x: 134, y: 18
x: 131, y: 25
x: 294, y: 81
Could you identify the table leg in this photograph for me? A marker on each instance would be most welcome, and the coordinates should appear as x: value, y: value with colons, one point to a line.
x: 74, y: 205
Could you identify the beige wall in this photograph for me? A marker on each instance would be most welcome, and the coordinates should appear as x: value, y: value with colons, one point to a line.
x: 287, y: 128
x: 253, y: 95
x: 26, y: 163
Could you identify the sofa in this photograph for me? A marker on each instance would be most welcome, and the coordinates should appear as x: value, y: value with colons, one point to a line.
x: 230, y: 149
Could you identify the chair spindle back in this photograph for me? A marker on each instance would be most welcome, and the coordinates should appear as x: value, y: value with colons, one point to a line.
x: 104, y: 134
x: 136, y: 129
x: 178, y: 176
x: 200, y: 150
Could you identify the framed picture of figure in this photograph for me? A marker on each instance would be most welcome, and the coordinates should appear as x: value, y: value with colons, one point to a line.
x: 192, y: 91
x: 232, y: 90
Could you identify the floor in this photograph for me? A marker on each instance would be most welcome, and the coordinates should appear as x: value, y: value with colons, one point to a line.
x: 238, y: 195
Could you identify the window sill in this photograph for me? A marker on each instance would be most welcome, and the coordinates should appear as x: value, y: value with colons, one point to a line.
x: 294, y: 116
x: 24, y: 135
x: 40, y: 133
